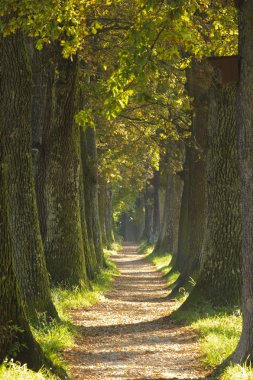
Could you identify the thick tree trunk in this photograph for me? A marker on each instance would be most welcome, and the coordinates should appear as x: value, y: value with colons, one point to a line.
x: 244, y: 350
x: 28, y: 257
x: 42, y: 101
x: 89, y: 154
x: 139, y: 218
x: 102, y: 194
x: 156, y: 210
x: 105, y: 212
x: 64, y: 241
x: 109, y: 216
x: 89, y: 250
x: 168, y: 238
x: 193, y: 210
x: 220, y: 275
x: 149, y: 205
x: 16, y: 339
x: 182, y: 253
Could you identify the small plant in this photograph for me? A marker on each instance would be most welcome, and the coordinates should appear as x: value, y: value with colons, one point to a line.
x: 12, y: 333
x: 54, y: 336
x: 192, y: 282
x: 238, y: 372
x: 11, y: 370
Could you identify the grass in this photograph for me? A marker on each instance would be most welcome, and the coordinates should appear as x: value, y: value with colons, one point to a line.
x: 238, y: 372
x: 16, y: 371
x: 55, y: 336
x: 161, y: 261
x: 219, y: 329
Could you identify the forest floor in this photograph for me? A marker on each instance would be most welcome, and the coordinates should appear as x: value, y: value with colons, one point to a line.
x: 129, y: 335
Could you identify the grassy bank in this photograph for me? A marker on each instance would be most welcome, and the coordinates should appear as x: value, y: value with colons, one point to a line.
x: 219, y: 329
x: 161, y: 261
x: 54, y: 337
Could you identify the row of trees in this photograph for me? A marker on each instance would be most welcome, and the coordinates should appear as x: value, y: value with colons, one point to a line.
x: 50, y: 225
x: 205, y: 206
x: 95, y: 107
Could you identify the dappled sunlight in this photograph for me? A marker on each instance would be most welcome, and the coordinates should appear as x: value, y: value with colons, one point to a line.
x: 129, y: 335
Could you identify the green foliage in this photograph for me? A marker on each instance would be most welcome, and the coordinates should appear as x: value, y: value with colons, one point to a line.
x: 220, y: 334
x: 65, y: 299
x: 15, y: 371
x: 84, y: 119
x: 237, y: 372
x: 13, y: 332
x: 219, y: 331
x: 161, y: 262
x: 54, y: 336
x: 46, y: 20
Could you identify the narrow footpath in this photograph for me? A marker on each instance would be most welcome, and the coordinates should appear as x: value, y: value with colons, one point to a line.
x: 129, y: 334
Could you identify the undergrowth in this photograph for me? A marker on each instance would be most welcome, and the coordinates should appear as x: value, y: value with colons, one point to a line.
x: 56, y: 336
x: 219, y: 329
x: 161, y: 261
x: 15, y: 371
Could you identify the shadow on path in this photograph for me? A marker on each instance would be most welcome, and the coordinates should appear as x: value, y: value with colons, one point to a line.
x: 130, y: 335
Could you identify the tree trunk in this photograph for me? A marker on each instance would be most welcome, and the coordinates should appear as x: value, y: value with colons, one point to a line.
x: 244, y: 350
x: 149, y: 205
x: 102, y: 194
x: 220, y: 275
x: 16, y: 340
x: 105, y: 212
x: 182, y: 253
x: 42, y: 101
x: 64, y: 241
x: 28, y: 257
x: 168, y: 238
x: 139, y: 218
x: 156, y: 210
x: 91, y: 192
x: 109, y: 216
x: 90, y: 254
x: 193, y: 210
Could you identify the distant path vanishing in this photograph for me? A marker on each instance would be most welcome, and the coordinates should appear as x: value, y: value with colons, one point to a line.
x: 129, y: 334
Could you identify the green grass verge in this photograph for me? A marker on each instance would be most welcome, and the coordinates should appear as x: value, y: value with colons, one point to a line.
x: 219, y: 329
x: 15, y: 371
x: 238, y: 372
x: 54, y: 336
x: 161, y: 261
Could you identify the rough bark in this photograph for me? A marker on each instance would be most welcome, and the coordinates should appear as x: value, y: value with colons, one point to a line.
x: 42, y: 101
x: 149, y: 206
x: 168, y: 238
x: 139, y: 218
x: 89, y: 250
x: 219, y: 280
x: 64, y: 241
x: 89, y: 159
x: 182, y: 253
x: 91, y: 261
x: 28, y: 257
x: 109, y: 216
x: 105, y: 212
x: 102, y: 194
x: 244, y: 350
x: 16, y: 339
x: 193, y: 209
x: 156, y: 209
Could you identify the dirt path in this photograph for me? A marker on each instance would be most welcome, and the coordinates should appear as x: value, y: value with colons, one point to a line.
x: 129, y: 334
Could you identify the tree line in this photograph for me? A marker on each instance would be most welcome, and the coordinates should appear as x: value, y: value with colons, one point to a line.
x: 101, y: 101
